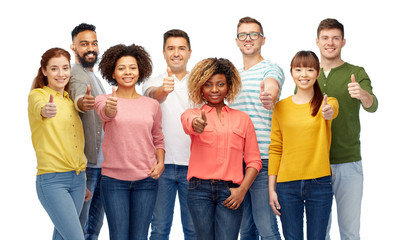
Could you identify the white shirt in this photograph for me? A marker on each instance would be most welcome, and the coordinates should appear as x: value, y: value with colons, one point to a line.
x: 177, y: 143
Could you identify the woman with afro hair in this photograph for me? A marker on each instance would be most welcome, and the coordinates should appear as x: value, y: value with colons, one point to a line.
x: 223, y: 141
x: 133, y: 144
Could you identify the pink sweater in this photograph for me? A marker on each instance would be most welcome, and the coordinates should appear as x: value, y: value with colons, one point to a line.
x: 131, y: 137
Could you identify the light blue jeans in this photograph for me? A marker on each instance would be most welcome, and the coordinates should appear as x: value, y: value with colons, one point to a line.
x: 348, y: 191
x: 258, y: 218
x: 172, y: 180
x: 62, y: 195
x: 92, y: 214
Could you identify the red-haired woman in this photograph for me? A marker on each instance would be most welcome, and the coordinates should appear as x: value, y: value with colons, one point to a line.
x: 57, y: 136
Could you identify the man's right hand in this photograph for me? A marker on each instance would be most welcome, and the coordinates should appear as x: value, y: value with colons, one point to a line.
x: 86, y: 102
x: 168, y: 82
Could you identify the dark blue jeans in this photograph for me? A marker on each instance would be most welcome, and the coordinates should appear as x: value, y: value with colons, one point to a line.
x: 315, y: 195
x: 128, y: 206
x: 211, y: 219
x: 92, y: 214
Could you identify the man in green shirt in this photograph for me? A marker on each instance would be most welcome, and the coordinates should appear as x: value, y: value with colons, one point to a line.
x: 351, y: 86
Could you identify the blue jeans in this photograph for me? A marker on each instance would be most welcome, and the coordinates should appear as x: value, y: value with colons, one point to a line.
x: 172, y: 180
x: 128, y: 206
x: 315, y: 195
x: 348, y: 181
x: 92, y: 214
x: 62, y: 195
x: 258, y: 218
x: 212, y: 220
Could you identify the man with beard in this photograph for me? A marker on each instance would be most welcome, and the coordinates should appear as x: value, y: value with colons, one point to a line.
x: 84, y: 87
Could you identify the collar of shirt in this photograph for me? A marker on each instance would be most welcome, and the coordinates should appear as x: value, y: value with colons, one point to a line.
x: 55, y: 93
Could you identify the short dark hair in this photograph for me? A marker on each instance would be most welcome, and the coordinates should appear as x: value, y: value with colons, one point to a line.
x: 113, y: 54
x: 176, y: 33
x: 249, y: 20
x: 330, y: 23
x: 82, y: 27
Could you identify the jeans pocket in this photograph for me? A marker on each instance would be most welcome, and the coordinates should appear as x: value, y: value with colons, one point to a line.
x: 323, y: 180
x: 46, y: 177
x: 193, y: 184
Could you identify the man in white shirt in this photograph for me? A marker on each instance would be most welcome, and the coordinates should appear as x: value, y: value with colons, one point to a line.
x: 170, y: 89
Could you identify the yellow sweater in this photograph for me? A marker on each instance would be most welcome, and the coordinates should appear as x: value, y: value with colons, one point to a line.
x: 300, y: 143
x: 58, y: 141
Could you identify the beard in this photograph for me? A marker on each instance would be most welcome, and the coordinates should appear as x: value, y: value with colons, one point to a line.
x: 87, y: 63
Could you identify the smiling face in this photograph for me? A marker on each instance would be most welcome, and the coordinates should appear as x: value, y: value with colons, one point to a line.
x: 215, y: 90
x: 330, y: 43
x: 177, y: 53
x: 248, y: 46
x: 126, y: 72
x: 58, y: 73
x: 85, y: 47
x: 304, y: 77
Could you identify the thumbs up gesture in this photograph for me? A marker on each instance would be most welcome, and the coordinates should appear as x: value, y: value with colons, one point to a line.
x: 265, y: 97
x: 86, y: 103
x: 49, y: 110
x: 111, y: 104
x: 199, y: 123
x: 354, y: 88
x: 327, y: 109
x: 168, y: 82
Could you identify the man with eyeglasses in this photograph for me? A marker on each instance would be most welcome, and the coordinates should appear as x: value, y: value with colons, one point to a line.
x: 262, y: 82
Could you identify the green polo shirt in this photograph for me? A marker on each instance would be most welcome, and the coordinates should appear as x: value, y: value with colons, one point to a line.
x: 345, y: 143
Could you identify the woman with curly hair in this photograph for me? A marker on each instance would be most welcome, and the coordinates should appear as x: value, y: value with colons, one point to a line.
x: 57, y: 136
x: 223, y: 140
x: 133, y: 144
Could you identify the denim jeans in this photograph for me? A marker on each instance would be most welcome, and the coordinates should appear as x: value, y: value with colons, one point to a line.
x: 128, y: 206
x: 258, y: 218
x: 92, y: 214
x: 172, y: 180
x: 212, y: 220
x: 315, y: 195
x: 62, y: 195
x: 348, y: 191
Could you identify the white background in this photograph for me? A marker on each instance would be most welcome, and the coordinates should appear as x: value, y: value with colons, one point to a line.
x: 28, y: 28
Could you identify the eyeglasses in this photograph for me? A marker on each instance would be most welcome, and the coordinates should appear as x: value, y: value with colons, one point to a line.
x: 253, y: 35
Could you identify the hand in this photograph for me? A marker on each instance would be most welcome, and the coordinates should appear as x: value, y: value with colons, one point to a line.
x: 354, y: 88
x: 86, y: 103
x: 199, y: 123
x: 168, y: 82
x: 234, y: 201
x: 327, y: 109
x: 88, y: 195
x: 49, y: 110
x: 274, y: 203
x: 156, y: 170
x: 111, y: 104
x: 266, y: 97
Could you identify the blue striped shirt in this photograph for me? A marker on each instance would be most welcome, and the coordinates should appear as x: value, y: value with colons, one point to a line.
x: 249, y: 100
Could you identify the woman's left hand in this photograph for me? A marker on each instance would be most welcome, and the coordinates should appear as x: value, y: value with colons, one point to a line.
x: 327, y: 109
x: 234, y: 201
x: 156, y: 170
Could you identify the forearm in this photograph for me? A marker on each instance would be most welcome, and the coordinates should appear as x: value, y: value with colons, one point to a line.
x: 366, y: 99
x: 160, y: 153
x: 157, y: 93
x: 250, y: 175
x: 271, y: 183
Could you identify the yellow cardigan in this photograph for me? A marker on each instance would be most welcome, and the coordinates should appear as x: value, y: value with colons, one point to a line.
x: 300, y: 143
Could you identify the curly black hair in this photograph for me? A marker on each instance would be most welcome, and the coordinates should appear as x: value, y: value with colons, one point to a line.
x: 113, y: 54
x: 82, y: 27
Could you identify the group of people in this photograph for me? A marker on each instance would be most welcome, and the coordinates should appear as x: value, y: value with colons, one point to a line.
x: 217, y: 137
